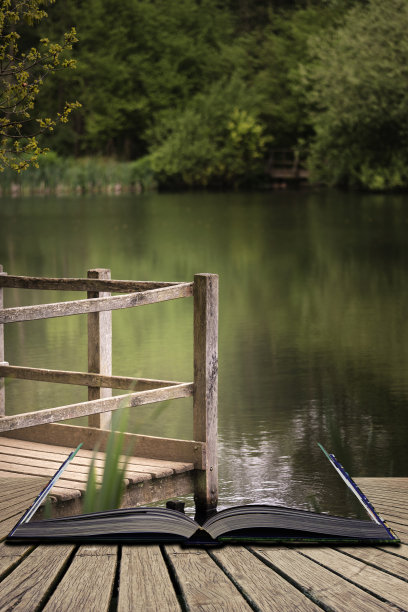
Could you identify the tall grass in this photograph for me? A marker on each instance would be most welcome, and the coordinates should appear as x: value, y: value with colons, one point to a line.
x: 109, y: 494
x: 63, y: 176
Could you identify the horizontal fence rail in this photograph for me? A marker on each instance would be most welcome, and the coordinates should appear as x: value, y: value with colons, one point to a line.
x: 71, y: 411
x: 116, y: 302
x: 83, y: 378
x: 79, y: 284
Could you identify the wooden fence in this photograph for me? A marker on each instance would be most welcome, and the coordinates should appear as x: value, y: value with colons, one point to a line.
x: 99, y: 303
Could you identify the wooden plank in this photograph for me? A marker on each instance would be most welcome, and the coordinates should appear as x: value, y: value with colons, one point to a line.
x: 204, y: 585
x: 394, y: 513
x: 269, y: 591
x: 385, y: 586
x: 77, y: 471
x: 144, y: 581
x: 401, y: 551
x: 10, y: 556
x: 28, y: 585
x: 400, y: 530
x: 88, y: 583
x: 81, y: 284
x: 379, y: 558
x: 324, y: 587
x: 383, y: 482
x: 81, y: 465
x: 34, y: 450
x: 42, y: 469
x: 84, y: 378
x: 116, y: 302
x: 171, y: 449
x: 2, y: 390
x: 99, y: 350
x: 205, y: 407
x: 50, y: 415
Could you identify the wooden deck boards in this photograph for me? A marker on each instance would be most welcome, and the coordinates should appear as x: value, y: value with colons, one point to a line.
x: 144, y: 478
x: 132, y: 578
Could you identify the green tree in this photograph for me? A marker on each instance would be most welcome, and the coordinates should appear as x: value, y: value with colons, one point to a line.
x: 138, y: 60
x: 356, y: 88
x: 216, y: 140
x: 22, y: 73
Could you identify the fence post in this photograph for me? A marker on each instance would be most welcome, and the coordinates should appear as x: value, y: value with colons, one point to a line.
x: 205, y: 409
x: 2, y: 390
x: 99, y: 349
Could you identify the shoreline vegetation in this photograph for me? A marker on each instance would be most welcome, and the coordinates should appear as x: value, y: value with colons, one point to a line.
x: 198, y: 94
x: 60, y: 176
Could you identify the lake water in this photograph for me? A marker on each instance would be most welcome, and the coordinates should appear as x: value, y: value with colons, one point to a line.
x: 313, y: 338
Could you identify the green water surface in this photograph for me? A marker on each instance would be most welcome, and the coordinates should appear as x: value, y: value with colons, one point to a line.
x: 313, y: 338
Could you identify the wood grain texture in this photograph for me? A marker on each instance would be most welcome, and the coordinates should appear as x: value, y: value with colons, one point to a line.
x: 10, y: 556
x: 205, y: 403
x: 80, y: 284
x: 84, y: 456
x: 390, y: 588
x: 2, y: 389
x: 84, y: 378
x: 99, y: 350
x: 321, y: 584
x: 116, y: 302
x: 382, y: 559
x: 268, y: 590
x: 204, y: 584
x: 144, y: 581
x: 88, y: 583
x: 27, y: 586
x: 51, y: 415
x: 183, y: 452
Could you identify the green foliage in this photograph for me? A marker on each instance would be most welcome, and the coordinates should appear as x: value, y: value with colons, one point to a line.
x: 198, y: 91
x: 56, y: 174
x: 217, y: 139
x: 109, y: 494
x: 356, y: 88
x: 22, y: 73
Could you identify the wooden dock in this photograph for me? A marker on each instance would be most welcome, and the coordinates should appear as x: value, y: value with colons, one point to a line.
x: 146, y: 480
x: 163, y: 578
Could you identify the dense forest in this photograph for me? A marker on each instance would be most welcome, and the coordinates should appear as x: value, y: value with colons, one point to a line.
x: 200, y: 92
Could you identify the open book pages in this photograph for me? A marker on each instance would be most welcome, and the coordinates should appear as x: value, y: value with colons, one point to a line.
x: 249, y: 523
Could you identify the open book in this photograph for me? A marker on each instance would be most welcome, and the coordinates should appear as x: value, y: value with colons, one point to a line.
x: 239, y: 524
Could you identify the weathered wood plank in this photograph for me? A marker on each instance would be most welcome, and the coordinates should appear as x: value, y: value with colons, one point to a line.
x: 203, y: 583
x: 267, y: 589
x: 88, y: 582
x: 37, y: 450
x: 205, y: 402
x: 75, y: 471
x: 390, y: 588
x: 144, y: 581
x: 322, y: 585
x: 84, y: 378
x: 2, y: 390
x: 171, y: 449
x: 99, y: 350
x: 51, y: 415
x: 401, y: 551
x: 27, y: 586
x: 34, y: 468
x: 116, y: 302
x: 380, y: 558
x: 10, y: 556
x: 81, y: 464
x: 80, y: 284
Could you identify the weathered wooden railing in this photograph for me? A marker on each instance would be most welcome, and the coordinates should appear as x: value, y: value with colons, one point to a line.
x: 41, y: 424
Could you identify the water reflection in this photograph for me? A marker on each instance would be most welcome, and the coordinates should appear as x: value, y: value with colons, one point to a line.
x: 313, y: 333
